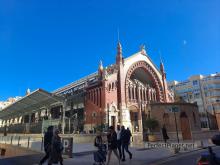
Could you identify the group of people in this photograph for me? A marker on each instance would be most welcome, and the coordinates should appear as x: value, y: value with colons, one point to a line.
x: 52, y: 146
x: 118, y: 142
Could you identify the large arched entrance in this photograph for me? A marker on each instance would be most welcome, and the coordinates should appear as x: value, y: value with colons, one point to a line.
x: 185, y: 126
x: 142, y: 84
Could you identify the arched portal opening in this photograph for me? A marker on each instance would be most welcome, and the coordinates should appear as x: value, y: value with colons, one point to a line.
x: 114, y: 117
x: 185, y: 126
x: 143, y: 84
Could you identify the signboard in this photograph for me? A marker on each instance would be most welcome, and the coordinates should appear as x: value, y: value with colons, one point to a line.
x: 68, y: 146
x: 174, y: 109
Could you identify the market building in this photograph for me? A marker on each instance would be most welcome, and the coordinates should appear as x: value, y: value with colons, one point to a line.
x: 124, y: 93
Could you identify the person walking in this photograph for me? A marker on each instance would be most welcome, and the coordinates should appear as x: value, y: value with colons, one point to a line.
x: 47, y: 144
x: 125, y: 141
x: 112, y: 144
x: 119, y: 140
x: 56, y: 149
x: 164, y: 133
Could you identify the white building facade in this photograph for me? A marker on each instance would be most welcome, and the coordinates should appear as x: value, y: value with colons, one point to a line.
x: 205, y: 91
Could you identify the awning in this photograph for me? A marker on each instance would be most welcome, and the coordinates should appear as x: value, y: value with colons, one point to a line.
x: 30, y: 103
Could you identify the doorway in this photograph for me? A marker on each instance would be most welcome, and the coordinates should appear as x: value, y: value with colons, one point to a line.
x: 185, y: 126
x: 113, y: 120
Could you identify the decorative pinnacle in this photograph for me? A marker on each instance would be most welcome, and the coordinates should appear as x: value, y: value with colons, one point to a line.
x: 119, y: 49
x: 161, y: 64
x: 142, y: 49
x: 100, y: 65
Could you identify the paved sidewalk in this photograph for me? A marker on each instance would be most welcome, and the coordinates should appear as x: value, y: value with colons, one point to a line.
x: 139, y: 157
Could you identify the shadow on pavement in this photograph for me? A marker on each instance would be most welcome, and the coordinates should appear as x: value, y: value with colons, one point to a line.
x: 22, y: 160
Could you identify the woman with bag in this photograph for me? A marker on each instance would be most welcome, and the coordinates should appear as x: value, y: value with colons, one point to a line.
x: 100, y: 154
x: 56, y: 149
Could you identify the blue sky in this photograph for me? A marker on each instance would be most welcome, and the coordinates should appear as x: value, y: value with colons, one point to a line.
x: 48, y: 44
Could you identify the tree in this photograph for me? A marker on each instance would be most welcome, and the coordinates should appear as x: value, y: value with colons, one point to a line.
x: 100, y: 127
x: 151, y: 124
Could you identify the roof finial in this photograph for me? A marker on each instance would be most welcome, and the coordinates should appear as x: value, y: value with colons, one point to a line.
x: 28, y: 91
x: 119, y: 58
x: 161, y: 63
x: 119, y: 48
x: 100, y: 66
x: 142, y: 49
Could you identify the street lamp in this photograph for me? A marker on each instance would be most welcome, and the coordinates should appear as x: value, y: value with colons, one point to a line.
x: 175, y: 110
x: 108, y: 114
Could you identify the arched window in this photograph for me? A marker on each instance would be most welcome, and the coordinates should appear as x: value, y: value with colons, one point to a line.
x: 113, y: 86
x: 129, y: 92
x: 109, y: 86
x: 133, y: 92
x: 100, y: 97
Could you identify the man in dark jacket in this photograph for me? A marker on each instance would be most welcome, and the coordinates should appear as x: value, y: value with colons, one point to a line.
x: 47, y: 144
x: 119, y: 140
x: 125, y: 141
x: 112, y: 144
x: 164, y: 133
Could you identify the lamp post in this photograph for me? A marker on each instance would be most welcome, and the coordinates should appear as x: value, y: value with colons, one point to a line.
x: 64, y: 115
x: 214, y: 112
x: 175, y: 110
x: 108, y: 114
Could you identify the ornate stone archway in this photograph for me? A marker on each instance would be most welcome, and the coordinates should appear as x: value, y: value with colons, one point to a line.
x: 152, y: 76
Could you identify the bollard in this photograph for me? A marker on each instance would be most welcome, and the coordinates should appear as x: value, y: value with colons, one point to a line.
x: 28, y: 142
x: 42, y: 142
x: 19, y: 140
x: 11, y: 139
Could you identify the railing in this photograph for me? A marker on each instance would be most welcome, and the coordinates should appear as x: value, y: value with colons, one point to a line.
x: 35, y: 143
x: 23, y: 128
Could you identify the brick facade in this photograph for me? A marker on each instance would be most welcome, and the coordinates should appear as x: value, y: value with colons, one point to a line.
x: 131, y: 82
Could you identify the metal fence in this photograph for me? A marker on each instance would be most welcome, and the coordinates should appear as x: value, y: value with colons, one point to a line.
x: 34, y: 143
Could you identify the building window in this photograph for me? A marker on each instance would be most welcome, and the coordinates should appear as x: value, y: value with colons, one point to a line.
x: 129, y: 93
x: 109, y: 86
x: 197, y: 95
x: 195, y: 82
x: 113, y: 86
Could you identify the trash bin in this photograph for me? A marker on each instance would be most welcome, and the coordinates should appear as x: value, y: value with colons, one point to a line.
x: 3, y: 150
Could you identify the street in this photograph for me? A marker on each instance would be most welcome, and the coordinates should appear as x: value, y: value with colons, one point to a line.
x: 183, y: 159
x: 140, y: 157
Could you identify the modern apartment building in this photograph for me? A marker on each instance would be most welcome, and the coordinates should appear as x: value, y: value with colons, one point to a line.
x: 205, y: 91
